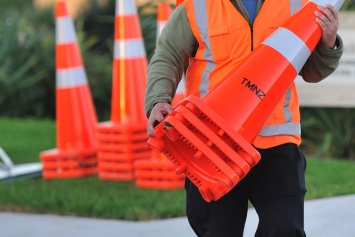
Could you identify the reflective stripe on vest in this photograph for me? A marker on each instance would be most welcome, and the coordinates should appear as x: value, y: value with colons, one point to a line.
x: 201, y: 18
x: 200, y: 12
x: 201, y: 15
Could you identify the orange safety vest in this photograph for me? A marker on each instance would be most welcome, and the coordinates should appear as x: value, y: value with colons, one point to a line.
x: 225, y: 40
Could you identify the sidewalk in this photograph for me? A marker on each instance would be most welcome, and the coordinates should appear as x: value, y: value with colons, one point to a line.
x: 328, y: 217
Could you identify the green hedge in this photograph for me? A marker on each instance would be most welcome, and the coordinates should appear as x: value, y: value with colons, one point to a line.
x: 27, y: 57
x: 329, y: 132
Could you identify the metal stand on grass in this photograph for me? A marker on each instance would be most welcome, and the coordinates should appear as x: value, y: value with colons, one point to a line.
x: 10, y: 171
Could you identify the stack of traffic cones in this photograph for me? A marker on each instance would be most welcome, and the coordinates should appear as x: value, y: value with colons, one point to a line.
x: 123, y: 139
x: 75, y: 155
x: 158, y: 172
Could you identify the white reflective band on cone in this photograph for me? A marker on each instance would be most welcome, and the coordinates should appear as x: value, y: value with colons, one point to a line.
x: 126, y: 49
x: 71, y: 77
x: 335, y: 3
x: 296, y: 55
x: 125, y: 7
x: 65, y: 32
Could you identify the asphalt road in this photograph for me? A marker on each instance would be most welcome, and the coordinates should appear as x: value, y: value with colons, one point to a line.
x: 328, y: 217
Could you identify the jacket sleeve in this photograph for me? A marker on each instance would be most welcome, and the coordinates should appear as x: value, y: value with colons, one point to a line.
x: 322, y: 62
x: 175, y: 45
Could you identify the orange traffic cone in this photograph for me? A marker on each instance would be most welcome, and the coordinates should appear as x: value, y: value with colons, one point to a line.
x: 158, y: 172
x: 122, y: 140
x: 76, y: 119
x: 178, y: 2
x: 211, y: 143
x: 163, y: 13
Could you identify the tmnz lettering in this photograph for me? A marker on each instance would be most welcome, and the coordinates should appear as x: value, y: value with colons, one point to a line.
x: 254, y: 88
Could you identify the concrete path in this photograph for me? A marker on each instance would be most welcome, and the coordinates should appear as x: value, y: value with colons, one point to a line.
x: 328, y: 217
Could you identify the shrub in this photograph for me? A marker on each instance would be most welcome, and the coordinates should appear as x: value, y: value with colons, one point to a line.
x: 329, y: 132
x: 27, y: 57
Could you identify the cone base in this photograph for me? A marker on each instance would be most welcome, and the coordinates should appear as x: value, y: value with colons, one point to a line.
x: 116, y: 176
x: 160, y: 184
x: 77, y: 163
x: 110, y: 127
x: 201, y: 145
x: 67, y: 174
x: 123, y: 157
x: 157, y: 174
x: 120, y: 145
x: 115, y: 166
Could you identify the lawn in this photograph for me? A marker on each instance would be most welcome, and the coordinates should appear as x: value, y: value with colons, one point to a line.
x: 24, y: 139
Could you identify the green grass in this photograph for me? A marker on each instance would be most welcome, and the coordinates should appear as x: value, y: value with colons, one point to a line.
x: 329, y: 177
x: 91, y: 197
x: 24, y: 139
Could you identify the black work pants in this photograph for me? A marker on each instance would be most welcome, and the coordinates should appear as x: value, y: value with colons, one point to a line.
x: 275, y: 187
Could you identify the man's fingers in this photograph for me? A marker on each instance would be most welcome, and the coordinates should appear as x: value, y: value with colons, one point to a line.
x: 333, y: 11
x: 154, y: 120
x: 327, y: 18
x: 159, y: 111
x: 150, y: 127
x: 327, y: 14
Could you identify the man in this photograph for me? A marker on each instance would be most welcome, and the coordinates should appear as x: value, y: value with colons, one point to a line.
x: 214, y: 37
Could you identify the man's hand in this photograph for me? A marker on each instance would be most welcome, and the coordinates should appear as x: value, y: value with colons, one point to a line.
x: 327, y: 18
x: 159, y: 111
